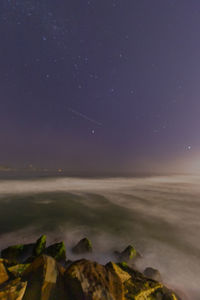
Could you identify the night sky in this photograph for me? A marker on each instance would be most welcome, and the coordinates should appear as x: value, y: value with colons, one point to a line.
x: 100, y: 85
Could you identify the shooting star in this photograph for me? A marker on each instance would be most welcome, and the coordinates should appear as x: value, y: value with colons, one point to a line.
x: 77, y: 113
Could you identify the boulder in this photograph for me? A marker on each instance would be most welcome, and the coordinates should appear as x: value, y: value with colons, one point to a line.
x: 18, y: 270
x: 57, y: 251
x: 152, y: 273
x: 123, y: 275
x: 139, y: 287
x: 3, y: 273
x: 39, y: 246
x: 83, y: 246
x: 45, y: 281
x: 127, y: 255
x: 14, y: 290
x: 18, y: 253
x: 91, y: 281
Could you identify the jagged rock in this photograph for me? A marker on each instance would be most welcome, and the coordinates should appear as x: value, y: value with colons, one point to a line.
x: 128, y: 254
x: 124, y: 276
x: 138, y: 287
x: 91, y: 281
x: 3, y: 273
x: 39, y: 246
x: 17, y: 270
x: 45, y: 280
x: 153, y: 274
x: 14, y: 290
x: 83, y: 246
x: 18, y: 253
x: 57, y: 251
x: 68, y: 263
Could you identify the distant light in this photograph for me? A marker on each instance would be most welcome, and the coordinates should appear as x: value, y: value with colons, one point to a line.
x: 60, y: 170
x: 189, y: 147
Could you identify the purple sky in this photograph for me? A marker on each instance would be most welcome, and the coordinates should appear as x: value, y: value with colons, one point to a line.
x: 100, y: 85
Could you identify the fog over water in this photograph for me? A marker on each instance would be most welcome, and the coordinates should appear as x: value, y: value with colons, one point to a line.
x: 160, y: 216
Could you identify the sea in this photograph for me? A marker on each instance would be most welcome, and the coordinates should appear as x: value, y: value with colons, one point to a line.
x: 158, y: 215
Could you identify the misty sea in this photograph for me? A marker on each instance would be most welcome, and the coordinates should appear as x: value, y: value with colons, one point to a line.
x: 159, y: 216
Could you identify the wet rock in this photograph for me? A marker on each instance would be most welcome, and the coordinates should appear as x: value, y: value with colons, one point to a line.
x: 139, y: 287
x: 3, y: 273
x: 127, y: 255
x: 45, y: 280
x: 83, y: 246
x: 56, y: 251
x: 18, y: 253
x: 153, y: 274
x: 123, y: 275
x: 14, y: 290
x: 18, y: 270
x: 40, y: 246
x: 91, y: 281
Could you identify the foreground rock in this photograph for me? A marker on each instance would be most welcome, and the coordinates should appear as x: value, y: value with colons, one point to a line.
x: 57, y: 251
x: 83, y: 246
x: 153, y: 274
x: 44, y: 278
x: 13, y: 291
x: 17, y: 254
x: 139, y: 287
x: 3, y: 273
x: 90, y: 280
x: 40, y: 246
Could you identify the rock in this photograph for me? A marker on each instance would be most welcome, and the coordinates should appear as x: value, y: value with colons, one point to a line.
x: 57, y: 251
x: 138, y: 287
x: 68, y: 263
x: 124, y: 276
x: 18, y: 270
x: 91, y: 281
x: 83, y: 246
x: 127, y: 255
x: 152, y: 273
x: 3, y: 273
x: 44, y: 279
x: 39, y: 246
x: 18, y: 253
x: 13, y: 291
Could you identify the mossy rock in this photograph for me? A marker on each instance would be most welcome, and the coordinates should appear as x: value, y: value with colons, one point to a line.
x: 3, y: 273
x: 45, y: 280
x: 18, y: 253
x: 56, y: 251
x: 40, y: 246
x: 128, y: 254
x: 83, y: 246
x: 14, y: 290
x: 123, y: 275
x: 140, y: 287
x: 18, y: 270
x: 91, y: 281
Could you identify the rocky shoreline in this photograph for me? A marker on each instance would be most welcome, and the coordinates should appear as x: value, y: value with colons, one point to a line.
x: 36, y: 272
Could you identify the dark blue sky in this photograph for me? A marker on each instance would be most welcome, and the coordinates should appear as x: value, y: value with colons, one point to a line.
x: 100, y: 85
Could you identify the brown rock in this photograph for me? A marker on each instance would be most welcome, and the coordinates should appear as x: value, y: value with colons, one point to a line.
x: 91, y: 281
x: 3, y: 273
x: 45, y: 281
x: 13, y: 291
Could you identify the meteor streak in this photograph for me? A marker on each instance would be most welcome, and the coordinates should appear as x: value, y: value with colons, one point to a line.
x: 77, y: 113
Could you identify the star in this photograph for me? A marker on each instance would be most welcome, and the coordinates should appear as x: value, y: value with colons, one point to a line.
x: 189, y: 148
